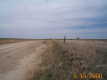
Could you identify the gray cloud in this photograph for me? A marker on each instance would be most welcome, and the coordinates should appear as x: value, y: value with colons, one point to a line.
x: 25, y: 18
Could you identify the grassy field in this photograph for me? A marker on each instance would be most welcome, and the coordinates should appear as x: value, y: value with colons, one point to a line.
x: 59, y: 60
x: 8, y: 40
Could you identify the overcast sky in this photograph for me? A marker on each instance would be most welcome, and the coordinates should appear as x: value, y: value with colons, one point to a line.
x: 33, y: 18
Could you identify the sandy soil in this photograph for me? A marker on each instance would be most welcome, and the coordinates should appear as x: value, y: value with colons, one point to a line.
x: 15, y: 56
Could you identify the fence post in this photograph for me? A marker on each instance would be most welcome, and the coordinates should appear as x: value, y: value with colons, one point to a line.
x: 64, y: 39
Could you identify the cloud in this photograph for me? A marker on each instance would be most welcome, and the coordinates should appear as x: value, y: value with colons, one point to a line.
x: 26, y: 18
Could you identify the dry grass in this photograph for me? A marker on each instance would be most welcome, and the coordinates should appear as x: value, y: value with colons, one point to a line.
x: 54, y: 60
x: 6, y: 41
x: 51, y: 62
x: 60, y: 61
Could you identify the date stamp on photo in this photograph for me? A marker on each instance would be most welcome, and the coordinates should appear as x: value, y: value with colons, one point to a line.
x: 87, y: 76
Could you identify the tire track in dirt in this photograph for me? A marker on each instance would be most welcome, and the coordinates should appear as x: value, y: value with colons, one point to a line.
x: 15, y: 61
x: 27, y: 66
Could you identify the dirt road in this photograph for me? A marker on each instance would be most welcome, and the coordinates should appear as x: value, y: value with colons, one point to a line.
x: 15, y: 58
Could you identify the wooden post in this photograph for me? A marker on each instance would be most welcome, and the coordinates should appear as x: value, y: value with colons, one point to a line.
x: 64, y: 39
